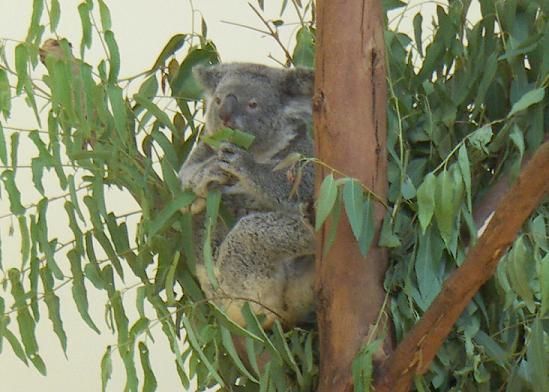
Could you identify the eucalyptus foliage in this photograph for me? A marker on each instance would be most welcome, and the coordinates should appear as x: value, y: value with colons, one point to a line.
x: 467, y: 105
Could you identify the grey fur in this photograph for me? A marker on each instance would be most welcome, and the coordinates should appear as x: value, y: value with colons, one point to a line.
x: 268, y: 256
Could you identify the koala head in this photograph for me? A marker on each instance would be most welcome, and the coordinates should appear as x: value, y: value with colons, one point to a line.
x: 252, y: 97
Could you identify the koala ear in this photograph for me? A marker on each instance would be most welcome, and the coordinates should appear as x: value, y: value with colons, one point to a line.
x: 209, y: 76
x: 299, y: 81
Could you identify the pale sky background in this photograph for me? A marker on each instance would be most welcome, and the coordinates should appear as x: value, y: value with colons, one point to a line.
x: 141, y: 27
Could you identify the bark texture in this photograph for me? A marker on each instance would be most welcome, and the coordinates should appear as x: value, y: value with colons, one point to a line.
x: 415, y: 353
x: 350, y: 124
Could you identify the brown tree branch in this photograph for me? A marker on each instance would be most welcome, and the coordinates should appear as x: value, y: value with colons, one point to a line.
x: 415, y: 353
x: 350, y: 124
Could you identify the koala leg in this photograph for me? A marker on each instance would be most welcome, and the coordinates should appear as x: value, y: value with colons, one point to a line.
x: 268, y: 259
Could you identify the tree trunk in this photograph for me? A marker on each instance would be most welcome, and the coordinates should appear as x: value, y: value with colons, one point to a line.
x: 350, y: 123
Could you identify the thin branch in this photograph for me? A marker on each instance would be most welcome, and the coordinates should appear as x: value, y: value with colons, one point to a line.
x: 273, y: 33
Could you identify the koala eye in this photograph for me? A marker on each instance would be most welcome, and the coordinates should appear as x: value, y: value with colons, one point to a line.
x: 252, y: 104
x: 217, y: 100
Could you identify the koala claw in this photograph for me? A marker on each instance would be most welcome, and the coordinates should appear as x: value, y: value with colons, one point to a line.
x: 196, y: 207
x: 232, y: 159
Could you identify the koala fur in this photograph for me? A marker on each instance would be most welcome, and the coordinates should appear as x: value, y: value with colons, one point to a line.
x: 268, y: 256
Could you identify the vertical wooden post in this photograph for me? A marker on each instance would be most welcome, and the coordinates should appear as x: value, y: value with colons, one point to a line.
x: 350, y: 123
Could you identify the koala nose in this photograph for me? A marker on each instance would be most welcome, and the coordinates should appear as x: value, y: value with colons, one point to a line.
x: 227, y: 109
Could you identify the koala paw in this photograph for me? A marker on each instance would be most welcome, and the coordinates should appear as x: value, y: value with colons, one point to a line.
x: 208, y: 179
x: 233, y: 160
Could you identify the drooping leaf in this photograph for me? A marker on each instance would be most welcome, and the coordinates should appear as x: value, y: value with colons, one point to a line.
x: 172, y: 46
x: 5, y: 97
x: 353, y: 198
x: 426, y: 200
x: 105, y: 15
x: 327, y: 196
x: 528, y: 99
x: 517, y: 272
x: 84, y: 11
x: 537, y: 357
x: 465, y: 169
x: 114, y: 56
x: 55, y: 15
x: 25, y: 320
x: 106, y: 368
x: 54, y: 308
x: 304, y: 51
x: 79, y: 292
x: 227, y: 341
x: 149, y: 380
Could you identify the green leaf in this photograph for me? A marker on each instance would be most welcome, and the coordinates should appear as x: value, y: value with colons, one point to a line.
x: 427, y: 267
x: 162, y: 117
x: 335, y: 215
x: 16, y: 208
x: 481, y: 137
x: 279, y: 341
x: 227, y: 341
x: 448, y: 196
x: 54, y: 308
x: 5, y: 95
x: 464, y: 167
x: 353, y: 198
x: 118, y: 111
x: 517, y: 272
x: 517, y: 138
x: 84, y: 12
x: 530, y: 98
x: 538, y: 229
x: 34, y: 28
x: 197, y: 346
x: 160, y: 222
x: 173, y: 45
x: 149, y: 380
x: 417, y: 23
x: 170, y: 281
x: 426, y: 200
x: 79, y: 292
x: 38, y: 363
x: 105, y: 15
x: 213, y: 201
x: 14, y: 150
x: 234, y: 136
x: 389, y: 5
x: 304, y: 51
x: 114, y: 56
x: 537, y: 357
x: 106, y: 368
x: 327, y: 196
x: 184, y: 85
x: 25, y: 321
x: 21, y: 60
x: 544, y: 282
x: 368, y: 229
x: 149, y: 88
x: 492, y: 349
x: 15, y: 345
x: 55, y: 15
x: 253, y: 324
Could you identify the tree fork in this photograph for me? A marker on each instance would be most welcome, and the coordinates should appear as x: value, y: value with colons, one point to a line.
x: 349, y: 111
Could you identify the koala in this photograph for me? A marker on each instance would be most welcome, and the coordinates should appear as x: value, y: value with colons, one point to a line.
x: 267, y: 257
